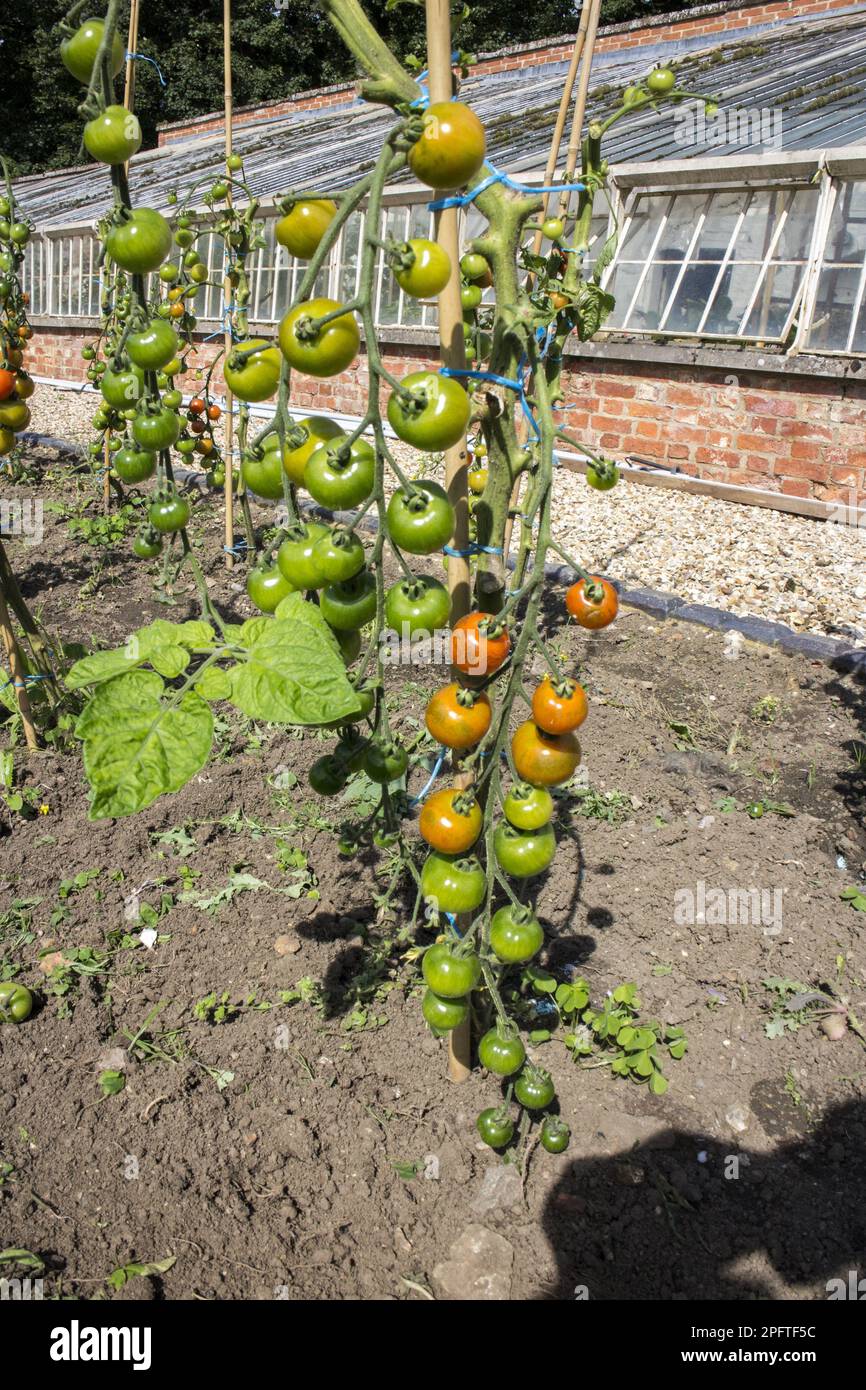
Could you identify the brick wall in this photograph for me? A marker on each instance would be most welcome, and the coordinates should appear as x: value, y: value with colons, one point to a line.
x: 705, y: 20
x: 799, y: 435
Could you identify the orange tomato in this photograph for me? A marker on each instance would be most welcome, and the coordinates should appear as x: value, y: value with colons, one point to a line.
x: 458, y: 718
x: 559, y: 706
x: 592, y: 602
x: 475, y: 650
x: 544, y: 760
x: 447, y: 827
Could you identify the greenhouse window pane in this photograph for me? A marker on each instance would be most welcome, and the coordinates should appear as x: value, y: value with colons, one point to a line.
x: 772, y: 306
x: 732, y: 298
x: 837, y: 317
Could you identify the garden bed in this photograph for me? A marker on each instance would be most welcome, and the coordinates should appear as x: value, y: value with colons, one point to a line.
x: 338, y: 1162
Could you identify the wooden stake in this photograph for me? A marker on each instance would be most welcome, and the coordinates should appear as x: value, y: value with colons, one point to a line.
x: 562, y: 114
x: 453, y: 353
x: 16, y: 670
x: 593, y: 7
x: 228, y: 442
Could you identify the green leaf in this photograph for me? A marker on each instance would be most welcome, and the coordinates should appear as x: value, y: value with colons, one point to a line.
x: 170, y: 661
x: 643, y: 1064
x: 195, y: 635
x: 293, y: 673
x: 678, y: 1050
x: 111, y: 1083
x: 658, y: 1083
x: 541, y: 980
x: 214, y: 684
x: 138, y: 744
x: 100, y: 666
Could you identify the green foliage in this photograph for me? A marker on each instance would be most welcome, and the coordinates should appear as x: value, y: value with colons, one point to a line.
x: 147, y: 732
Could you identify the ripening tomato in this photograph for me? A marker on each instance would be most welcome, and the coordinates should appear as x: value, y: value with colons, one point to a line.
x: 544, y: 760
x: 140, y: 242
x: 458, y: 718
x: 196, y: 406
x: 7, y: 383
x: 477, y: 479
x: 78, y: 52
x: 559, y: 705
x: 256, y: 376
x: 479, y: 645
x: 317, y: 430
x: 451, y: 148
x: 24, y: 387
x: 7, y: 441
x: 301, y: 229
x: 592, y: 602
x: 451, y: 820
x: 122, y: 389
x: 113, y: 136
x: 429, y: 411
x: 14, y: 415
x: 317, y: 350
x: 428, y: 271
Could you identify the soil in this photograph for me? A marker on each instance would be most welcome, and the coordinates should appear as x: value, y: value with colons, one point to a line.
x: 338, y: 1162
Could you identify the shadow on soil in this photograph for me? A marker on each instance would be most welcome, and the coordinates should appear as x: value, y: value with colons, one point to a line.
x: 660, y: 1222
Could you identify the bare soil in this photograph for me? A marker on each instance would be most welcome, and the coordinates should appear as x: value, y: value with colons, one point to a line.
x: 339, y: 1162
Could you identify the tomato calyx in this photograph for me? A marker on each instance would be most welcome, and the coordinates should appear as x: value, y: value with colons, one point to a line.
x: 593, y: 590
x: 563, y: 687
x: 413, y: 403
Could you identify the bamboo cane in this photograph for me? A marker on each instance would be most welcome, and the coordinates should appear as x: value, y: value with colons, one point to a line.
x: 453, y: 354
x: 16, y: 670
x: 228, y: 443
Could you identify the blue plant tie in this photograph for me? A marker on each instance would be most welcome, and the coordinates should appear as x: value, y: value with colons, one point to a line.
x: 482, y: 376
x: 237, y: 549
x: 472, y: 549
x: 425, y: 790
x: 143, y: 58
x: 421, y: 103
x: 461, y: 200
x: 28, y: 680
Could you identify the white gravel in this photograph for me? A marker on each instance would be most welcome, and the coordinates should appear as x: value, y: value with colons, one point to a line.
x: 748, y: 560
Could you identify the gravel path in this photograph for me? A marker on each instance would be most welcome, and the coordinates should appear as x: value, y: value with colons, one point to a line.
x: 748, y: 560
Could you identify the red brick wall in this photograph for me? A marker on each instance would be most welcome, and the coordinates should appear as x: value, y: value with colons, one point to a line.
x: 706, y: 20
x: 799, y: 435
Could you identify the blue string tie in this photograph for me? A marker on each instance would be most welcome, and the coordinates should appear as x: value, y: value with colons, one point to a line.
x: 460, y: 200
x: 143, y: 58
x: 472, y: 549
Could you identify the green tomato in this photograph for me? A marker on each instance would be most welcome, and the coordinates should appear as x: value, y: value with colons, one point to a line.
x: 429, y: 411
x: 495, y: 1127
x: 301, y: 229
x: 515, y: 935
x: 385, y: 762
x: 349, y: 644
x: 156, y: 429
x: 420, y: 520
x: 501, y: 1051
x: 319, y: 351
x: 264, y: 475
x: 16, y: 1002
x: 457, y: 883
x: 523, y: 853
x: 122, y: 389
x: 474, y: 266
x: 429, y: 271
x: 168, y: 513
x: 555, y: 1134
x: 340, y: 475
x: 147, y: 544
x: 602, y: 480
x: 534, y: 1089
x: 553, y: 228
x: 528, y: 808
x: 351, y: 604
x: 256, y: 377
x: 113, y: 136
x: 315, y: 429
x: 297, y: 558
x: 266, y: 586
x: 152, y: 347
x: 339, y: 555
x: 443, y: 1014
x: 139, y: 243
x: 661, y: 80
x: 417, y: 605
x: 448, y: 972
x: 78, y: 52
x: 328, y: 775
x: 470, y: 296
x: 134, y: 465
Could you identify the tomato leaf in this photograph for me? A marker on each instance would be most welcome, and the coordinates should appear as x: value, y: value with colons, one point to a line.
x: 293, y: 673
x: 138, y: 744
